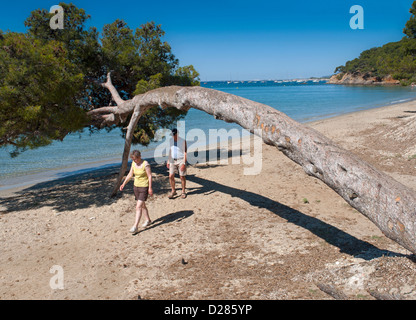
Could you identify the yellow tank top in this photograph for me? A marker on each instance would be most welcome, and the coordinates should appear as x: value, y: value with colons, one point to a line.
x: 140, y: 175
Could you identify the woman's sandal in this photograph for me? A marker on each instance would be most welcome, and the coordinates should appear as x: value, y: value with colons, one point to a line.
x: 146, y: 224
x: 172, y: 195
x: 184, y: 195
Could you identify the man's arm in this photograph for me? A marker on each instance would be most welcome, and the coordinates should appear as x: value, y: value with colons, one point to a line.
x: 170, y: 160
x: 185, y: 153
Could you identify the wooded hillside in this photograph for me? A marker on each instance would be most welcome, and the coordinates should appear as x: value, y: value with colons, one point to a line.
x: 392, y: 61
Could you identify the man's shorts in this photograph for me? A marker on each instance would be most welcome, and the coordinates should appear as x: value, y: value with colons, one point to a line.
x: 176, y: 167
x: 141, y: 193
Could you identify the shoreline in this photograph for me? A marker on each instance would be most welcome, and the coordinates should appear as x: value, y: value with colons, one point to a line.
x: 30, y: 181
x: 393, y: 104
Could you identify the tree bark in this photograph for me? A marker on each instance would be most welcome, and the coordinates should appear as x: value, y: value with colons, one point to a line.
x: 390, y: 205
x: 385, y: 296
x: 332, y: 291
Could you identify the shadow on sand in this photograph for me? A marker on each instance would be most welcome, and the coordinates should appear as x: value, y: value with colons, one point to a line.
x: 93, y: 189
x: 169, y: 218
x: 345, y: 242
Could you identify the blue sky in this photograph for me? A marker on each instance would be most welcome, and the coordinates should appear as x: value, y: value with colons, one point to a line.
x: 244, y: 40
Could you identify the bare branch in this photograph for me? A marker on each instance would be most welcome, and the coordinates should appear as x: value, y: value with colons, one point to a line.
x: 332, y: 291
x: 385, y: 296
x: 101, y: 110
x: 109, y: 85
x: 100, y: 116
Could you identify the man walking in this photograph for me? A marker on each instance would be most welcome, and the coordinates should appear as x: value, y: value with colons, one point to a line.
x: 177, y: 163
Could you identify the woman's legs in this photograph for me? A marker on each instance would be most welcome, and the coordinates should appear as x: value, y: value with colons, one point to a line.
x: 146, y: 215
x: 141, y: 209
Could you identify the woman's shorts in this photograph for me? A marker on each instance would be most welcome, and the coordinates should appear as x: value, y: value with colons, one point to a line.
x: 141, y: 193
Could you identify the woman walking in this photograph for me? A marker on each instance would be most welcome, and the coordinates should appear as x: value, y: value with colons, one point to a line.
x: 142, y: 173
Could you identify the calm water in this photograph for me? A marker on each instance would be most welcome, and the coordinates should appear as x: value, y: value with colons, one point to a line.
x: 302, y: 101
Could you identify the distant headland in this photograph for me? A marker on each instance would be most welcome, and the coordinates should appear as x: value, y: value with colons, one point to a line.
x: 358, y: 78
x: 391, y: 64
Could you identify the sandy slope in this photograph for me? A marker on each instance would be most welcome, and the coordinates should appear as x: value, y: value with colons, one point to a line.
x: 275, y: 235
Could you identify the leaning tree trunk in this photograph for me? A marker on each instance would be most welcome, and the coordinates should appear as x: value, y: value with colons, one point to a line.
x: 390, y: 205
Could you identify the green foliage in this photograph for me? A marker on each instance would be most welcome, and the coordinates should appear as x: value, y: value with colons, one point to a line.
x: 143, y: 86
x: 410, y: 27
x: 396, y: 59
x: 186, y: 76
x: 48, y: 77
x: 154, y: 119
x: 82, y: 45
x: 37, y: 89
x: 141, y: 61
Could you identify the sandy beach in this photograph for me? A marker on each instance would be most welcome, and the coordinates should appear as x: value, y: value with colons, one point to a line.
x: 277, y: 235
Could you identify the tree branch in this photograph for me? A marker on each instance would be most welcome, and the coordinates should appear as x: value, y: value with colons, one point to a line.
x: 385, y: 296
x: 387, y: 203
x: 127, y: 145
x: 109, y: 85
x: 332, y: 291
x: 101, y: 110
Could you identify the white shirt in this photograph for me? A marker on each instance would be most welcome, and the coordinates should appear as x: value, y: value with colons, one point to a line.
x: 177, y: 149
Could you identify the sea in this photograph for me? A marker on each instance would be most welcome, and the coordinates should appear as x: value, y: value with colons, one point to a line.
x: 303, y: 100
